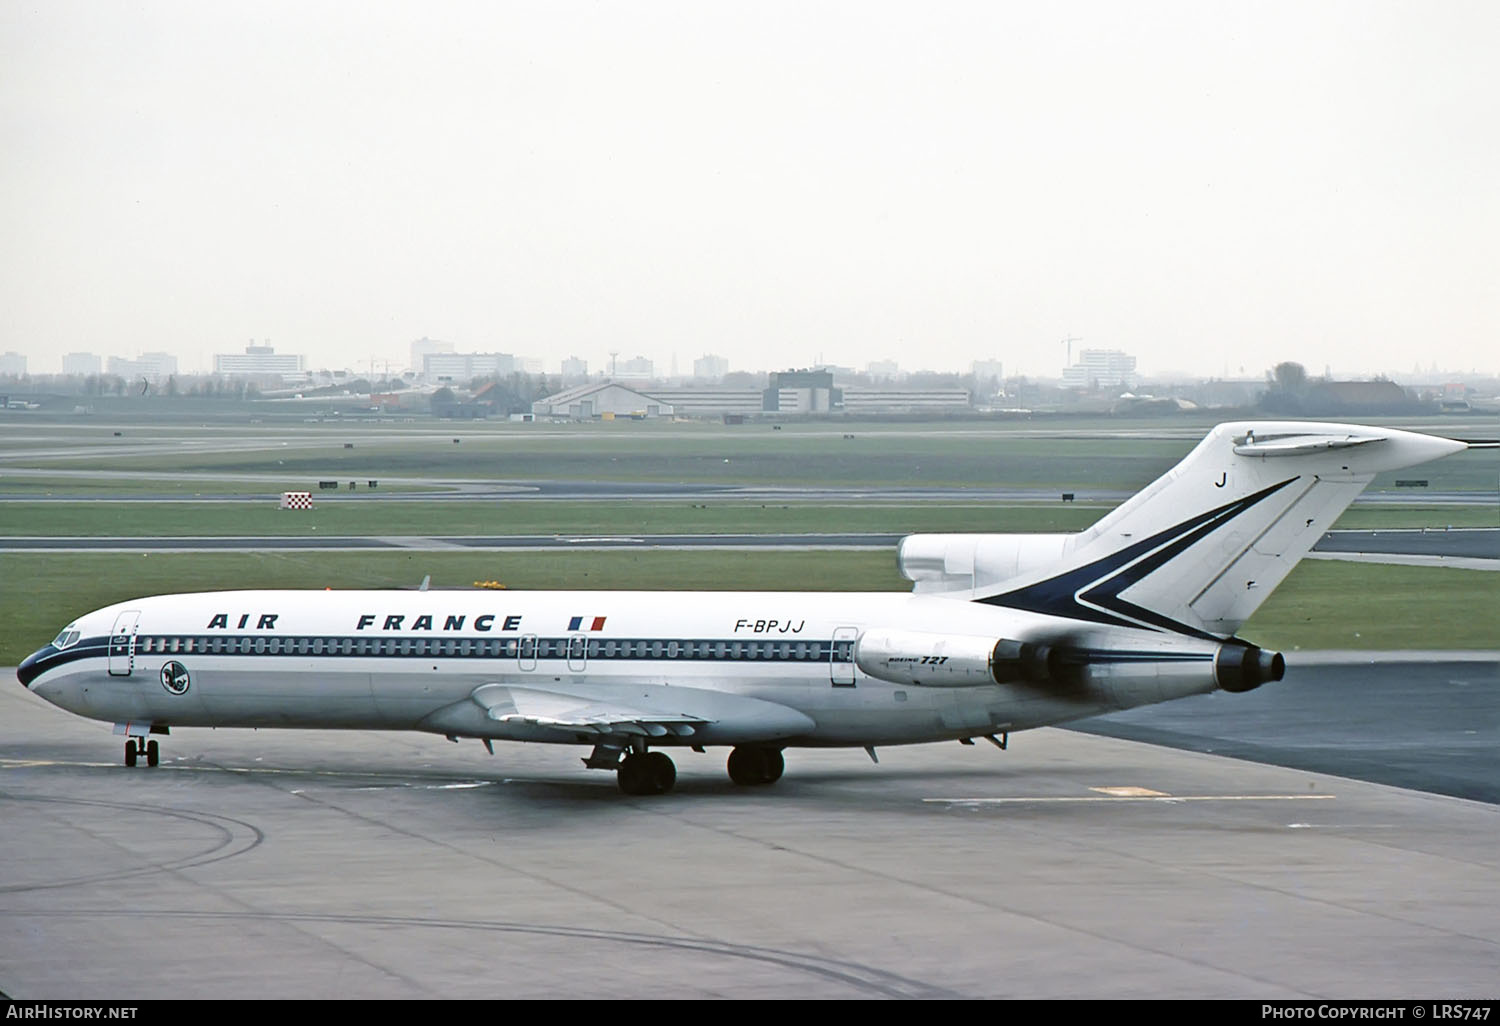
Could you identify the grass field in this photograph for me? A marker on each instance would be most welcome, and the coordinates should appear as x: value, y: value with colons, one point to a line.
x: 455, y: 517
x: 1089, y: 455
x: 1365, y: 606
x: 760, y: 459
x: 1324, y: 604
x: 541, y: 516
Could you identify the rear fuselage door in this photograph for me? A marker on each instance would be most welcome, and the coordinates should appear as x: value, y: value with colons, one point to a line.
x: 122, y: 643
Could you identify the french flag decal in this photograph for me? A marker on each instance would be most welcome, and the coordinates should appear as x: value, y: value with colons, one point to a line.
x: 594, y: 623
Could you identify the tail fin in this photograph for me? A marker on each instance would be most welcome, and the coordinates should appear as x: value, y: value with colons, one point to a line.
x: 1198, y: 550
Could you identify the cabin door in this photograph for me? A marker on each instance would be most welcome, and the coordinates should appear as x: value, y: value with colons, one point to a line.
x: 122, y: 643
x: 841, y: 658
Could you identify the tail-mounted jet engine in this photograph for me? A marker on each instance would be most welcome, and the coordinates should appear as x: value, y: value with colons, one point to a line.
x: 926, y: 659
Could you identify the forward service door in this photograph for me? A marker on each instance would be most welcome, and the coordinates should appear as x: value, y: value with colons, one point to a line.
x: 122, y: 643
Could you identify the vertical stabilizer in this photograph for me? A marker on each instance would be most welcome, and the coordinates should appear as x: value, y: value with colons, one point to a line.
x: 1199, y: 549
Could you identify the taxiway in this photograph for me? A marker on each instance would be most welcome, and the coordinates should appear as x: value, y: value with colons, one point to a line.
x: 321, y: 864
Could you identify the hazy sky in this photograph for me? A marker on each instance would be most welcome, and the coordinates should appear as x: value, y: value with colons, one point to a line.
x: 1210, y: 186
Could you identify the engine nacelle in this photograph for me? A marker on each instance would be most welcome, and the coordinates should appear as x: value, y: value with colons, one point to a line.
x: 948, y: 562
x: 1143, y: 670
x: 962, y: 660
x: 925, y: 659
x: 953, y: 660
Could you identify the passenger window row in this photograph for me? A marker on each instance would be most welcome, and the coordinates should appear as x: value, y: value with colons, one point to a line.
x: 494, y: 648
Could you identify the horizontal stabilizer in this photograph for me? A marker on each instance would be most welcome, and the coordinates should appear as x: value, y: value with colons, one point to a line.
x: 1298, y: 444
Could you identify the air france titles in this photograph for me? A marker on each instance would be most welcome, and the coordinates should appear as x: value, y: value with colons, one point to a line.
x: 483, y: 623
x: 264, y: 621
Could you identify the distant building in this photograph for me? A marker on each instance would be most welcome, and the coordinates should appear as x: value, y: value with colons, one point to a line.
x: 709, y: 402
x: 465, y: 367
x: 424, y: 347
x: 82, y: 364
x: 638, y: 369
x: 259, y: 362
x: 1222, y: 392
x: 13, y: 363
x: 710, y: 368
x: 151, y: 366
x: 589, y: 401
x: 1357, y: 397
x: 904, y: 400
x: 805, y: 391
x: 986, y: 369
x: 882, y: 369
x: 574, y: 369
x: 1101, y: 368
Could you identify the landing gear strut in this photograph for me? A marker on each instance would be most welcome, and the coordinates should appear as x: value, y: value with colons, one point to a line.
x: 643, y: 773
x: 134, y: 749
x: 752, y: 766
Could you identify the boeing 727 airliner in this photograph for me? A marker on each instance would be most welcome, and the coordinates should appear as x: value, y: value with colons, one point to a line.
x: 1001, y: 632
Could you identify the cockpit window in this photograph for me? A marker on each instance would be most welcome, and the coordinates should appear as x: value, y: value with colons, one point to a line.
x: 69, y: 636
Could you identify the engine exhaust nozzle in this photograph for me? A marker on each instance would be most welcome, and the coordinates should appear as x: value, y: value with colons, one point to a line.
x: 1239, y: 667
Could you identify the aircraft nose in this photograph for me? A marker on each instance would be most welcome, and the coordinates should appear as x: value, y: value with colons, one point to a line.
x: 31, y: 667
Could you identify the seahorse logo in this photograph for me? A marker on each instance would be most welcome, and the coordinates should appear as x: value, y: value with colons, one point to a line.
x: 174, y: 677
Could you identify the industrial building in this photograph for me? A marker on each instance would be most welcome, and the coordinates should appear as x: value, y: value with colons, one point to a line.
x: 805, y: 392
x: 589, y: 401
x: 857, y: 400
x: 710, y: 402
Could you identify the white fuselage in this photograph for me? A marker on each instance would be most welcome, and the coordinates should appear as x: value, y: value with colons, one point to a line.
x: 411, y: 660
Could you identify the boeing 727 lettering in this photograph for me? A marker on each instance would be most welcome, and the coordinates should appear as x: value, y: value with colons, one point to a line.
x: 1000, y: 633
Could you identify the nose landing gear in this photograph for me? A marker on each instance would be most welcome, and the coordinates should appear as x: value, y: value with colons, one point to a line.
x: 134, y: 749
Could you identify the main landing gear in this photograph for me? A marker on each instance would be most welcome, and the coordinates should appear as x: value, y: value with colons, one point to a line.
x: 135, y: 749
x: 647, y: 773
x: 754, y: 766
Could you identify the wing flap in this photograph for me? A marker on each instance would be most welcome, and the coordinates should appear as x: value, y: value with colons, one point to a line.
x: 621, y: 710
x: 508, y: 704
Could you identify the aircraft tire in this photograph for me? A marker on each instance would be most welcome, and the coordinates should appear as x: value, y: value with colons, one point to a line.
x: 651, y: 773
x: 750, y: 767
x: 663, y: 772
x: 774, y: 766
x: 153, y: 753
x: 130, y: 752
